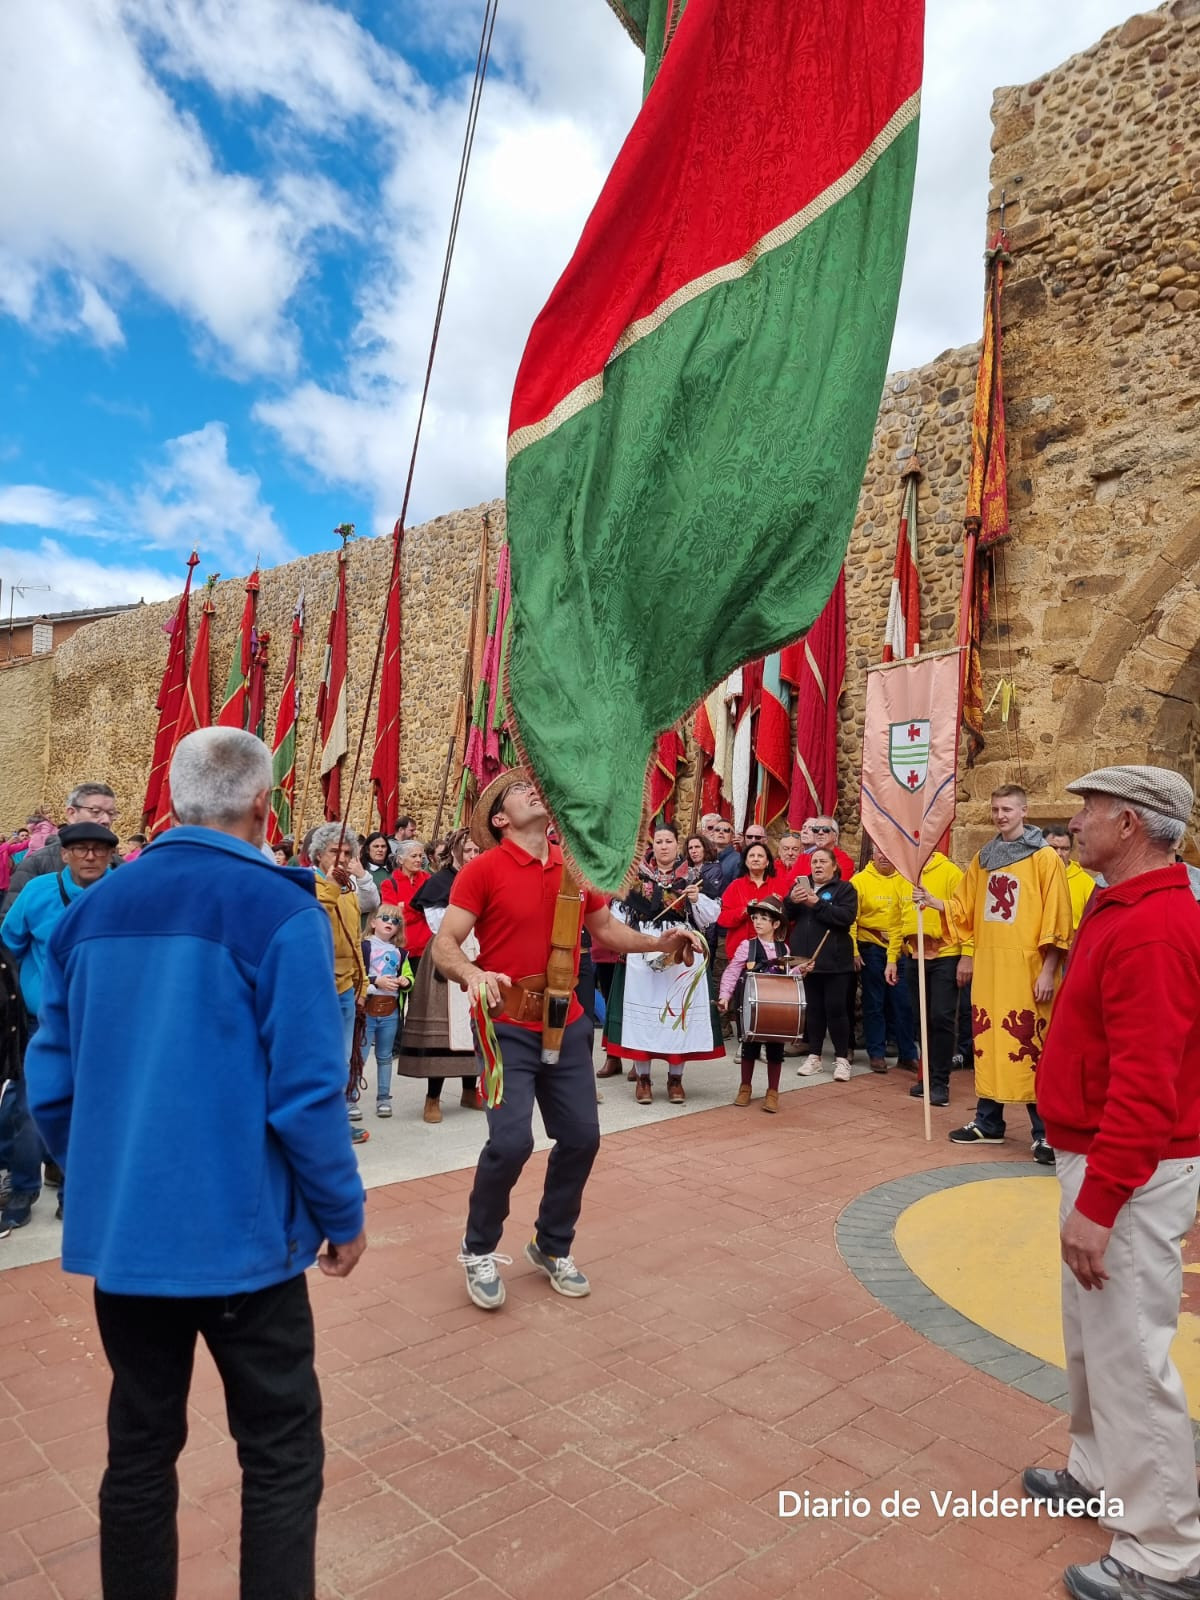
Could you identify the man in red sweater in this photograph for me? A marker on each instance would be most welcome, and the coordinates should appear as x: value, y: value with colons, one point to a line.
x: 1119, y: 1088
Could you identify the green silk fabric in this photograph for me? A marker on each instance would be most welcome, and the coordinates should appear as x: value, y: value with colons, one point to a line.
x: 696, y: 516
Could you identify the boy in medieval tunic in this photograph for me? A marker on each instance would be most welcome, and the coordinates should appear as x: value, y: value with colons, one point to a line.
x: 1014, y: 901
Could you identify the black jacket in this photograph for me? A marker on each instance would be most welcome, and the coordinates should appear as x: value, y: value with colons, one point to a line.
x: 834, y: 913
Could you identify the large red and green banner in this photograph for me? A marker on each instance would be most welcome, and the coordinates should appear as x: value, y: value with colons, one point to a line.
x: 695, y: 405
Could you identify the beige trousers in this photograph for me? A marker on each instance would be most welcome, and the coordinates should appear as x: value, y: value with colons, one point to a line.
x: 1131, y: 1434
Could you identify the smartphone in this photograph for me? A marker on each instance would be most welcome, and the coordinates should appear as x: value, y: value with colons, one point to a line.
x: 803, y: 883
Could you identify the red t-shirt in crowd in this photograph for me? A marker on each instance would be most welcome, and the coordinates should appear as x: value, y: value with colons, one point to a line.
x: 398, y: 890
x: 511, y: 895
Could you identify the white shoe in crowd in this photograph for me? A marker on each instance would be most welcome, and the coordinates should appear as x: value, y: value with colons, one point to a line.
x: 810, y: 1065
x: 841, y: 1070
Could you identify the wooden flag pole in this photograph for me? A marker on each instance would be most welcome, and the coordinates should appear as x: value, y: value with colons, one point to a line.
x: 924, y: 1010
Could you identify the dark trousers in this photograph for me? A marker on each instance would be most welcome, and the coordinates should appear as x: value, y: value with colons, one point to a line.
x: 825, y: 995
x: 989, y: 1119
x: 885, y: 1007
x: 941, y: 1000
x: 566, y: 1096
x: 262, y: 1344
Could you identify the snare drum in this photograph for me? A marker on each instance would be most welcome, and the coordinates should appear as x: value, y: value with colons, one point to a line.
x: 772, y: 1007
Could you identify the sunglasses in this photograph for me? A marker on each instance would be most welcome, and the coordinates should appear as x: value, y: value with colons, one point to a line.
x: 821, y: 830
x: 392, y: 922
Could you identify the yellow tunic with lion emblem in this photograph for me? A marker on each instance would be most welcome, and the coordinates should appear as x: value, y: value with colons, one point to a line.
x: 1013, y: 914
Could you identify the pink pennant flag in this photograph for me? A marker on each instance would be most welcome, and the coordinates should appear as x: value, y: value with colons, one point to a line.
x: 910, y: 754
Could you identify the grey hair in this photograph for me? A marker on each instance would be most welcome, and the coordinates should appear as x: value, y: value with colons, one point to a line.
x: 215, y: 775
x: 832, y: 821
x: 1160, y: 829
x: 326, y: 838
x: 81, y: 791
x: 407, y: 846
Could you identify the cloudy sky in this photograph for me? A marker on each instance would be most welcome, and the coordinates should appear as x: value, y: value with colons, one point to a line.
x: 221, y: 232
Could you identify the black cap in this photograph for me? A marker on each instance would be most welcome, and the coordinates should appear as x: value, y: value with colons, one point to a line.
x: 86, y: 833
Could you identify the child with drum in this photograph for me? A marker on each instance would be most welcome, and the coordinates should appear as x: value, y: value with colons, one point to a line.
x: 764, y: 955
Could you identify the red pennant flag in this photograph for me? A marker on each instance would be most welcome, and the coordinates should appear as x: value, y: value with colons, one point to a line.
x: 195, y: 708
x: 331, y: 701
x: 385, y: 768
x: 903, y: 635
x: 257, y: 699
x: 235, y: 705
x: 170, y: 697
x: 818, y: 681
x: 283, y: 750
x: 772, y: 745
x: 986, y: 519
x: 668, y: 753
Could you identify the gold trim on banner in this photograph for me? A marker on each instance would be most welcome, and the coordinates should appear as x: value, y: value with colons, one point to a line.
x: 592, y: 389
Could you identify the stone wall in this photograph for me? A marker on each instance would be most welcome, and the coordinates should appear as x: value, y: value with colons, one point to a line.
x: 106, y: 679
x: 24, y: 737
x: 1097, y: 608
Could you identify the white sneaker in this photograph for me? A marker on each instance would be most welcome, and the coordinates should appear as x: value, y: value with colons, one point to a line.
x: 810, y: 1065
x: 841, y: 1070
x: 354, y: 1111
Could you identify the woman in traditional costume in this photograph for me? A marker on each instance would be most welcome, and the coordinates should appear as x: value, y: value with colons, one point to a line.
x: 655, y: 1009
x: 437, y: 1041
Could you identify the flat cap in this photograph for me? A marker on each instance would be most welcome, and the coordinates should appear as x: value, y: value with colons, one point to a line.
x: 86, y: 833
x: 1157, y: 788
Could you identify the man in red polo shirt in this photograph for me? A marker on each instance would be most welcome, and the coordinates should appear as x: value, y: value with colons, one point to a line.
x: 507, y: 896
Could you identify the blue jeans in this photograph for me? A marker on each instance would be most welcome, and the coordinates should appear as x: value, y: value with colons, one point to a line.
x: 21, y: 1148
x: 884, y: 1008
x: 381, y: 1035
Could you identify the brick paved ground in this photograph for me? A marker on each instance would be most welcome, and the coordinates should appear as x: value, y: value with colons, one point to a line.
x: 629, y: 1445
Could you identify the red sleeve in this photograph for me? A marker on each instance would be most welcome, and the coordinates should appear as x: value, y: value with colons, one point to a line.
x: 470, y: 887
x: 594, y: 901
x: 733, y: 903
x: 1145, y: 1067
x: 387, y: 892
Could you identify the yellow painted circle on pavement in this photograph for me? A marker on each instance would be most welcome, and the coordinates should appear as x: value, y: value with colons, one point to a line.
x: 990, y: 1251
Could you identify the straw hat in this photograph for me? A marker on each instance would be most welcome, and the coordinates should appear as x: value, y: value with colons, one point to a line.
x: 490, y: 801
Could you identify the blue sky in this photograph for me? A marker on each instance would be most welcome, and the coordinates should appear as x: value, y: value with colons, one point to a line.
x: 221, y: 231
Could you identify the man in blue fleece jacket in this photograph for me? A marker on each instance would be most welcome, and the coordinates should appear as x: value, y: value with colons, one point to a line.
x: 188, y: 1073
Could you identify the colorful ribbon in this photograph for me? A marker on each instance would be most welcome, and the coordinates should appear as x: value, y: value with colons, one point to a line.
x: 492, y: 1085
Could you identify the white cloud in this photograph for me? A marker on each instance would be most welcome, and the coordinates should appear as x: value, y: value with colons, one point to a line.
x: 30, y: 505
x: 197, y: 497
x: 312, y: 58
x: 104, y: 177
x: 75, y: 581
x: 193, y: 495
x: 548, y: 133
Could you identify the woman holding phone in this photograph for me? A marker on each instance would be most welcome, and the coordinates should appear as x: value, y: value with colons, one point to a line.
x: 824, y: 908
